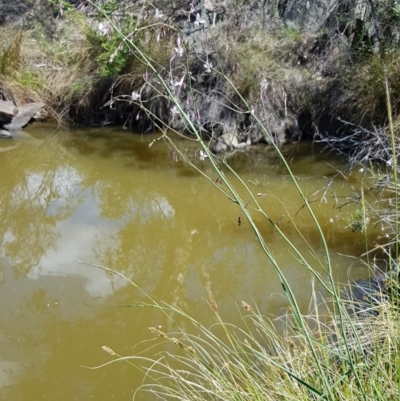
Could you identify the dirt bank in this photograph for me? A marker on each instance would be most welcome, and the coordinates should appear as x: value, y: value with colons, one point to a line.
x: 243, y: 72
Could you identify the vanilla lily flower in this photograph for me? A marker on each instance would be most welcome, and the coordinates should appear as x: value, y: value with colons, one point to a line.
x: 103, y: 30
x: 208, y: 65
x: 199, y: 21
x: 179, y: 51
x: 158, y: 14
x: 203, y: 155
x: 264, y: 84
x: 178, y: 83
x: 135, y: 96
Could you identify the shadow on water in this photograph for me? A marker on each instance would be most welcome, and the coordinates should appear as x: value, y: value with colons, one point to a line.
x: 106, y: 197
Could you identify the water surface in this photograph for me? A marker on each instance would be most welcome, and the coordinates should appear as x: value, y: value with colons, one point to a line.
x: 105, y: 197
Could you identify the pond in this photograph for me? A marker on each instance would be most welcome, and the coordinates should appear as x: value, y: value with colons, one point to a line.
x: 104, y: 197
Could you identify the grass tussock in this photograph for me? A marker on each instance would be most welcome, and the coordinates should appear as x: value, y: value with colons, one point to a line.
x: 10, y: 55
x: 352, y: 359
x: 39, y: 71
x: 59, y: 74
x: 365, y: 89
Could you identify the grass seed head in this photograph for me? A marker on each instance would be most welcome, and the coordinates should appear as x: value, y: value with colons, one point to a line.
x: 191, y: 350
x: 177, y: 342
x: 247, y: 307
x: 158, y: 332
x: 108, y: 350
x: 290, y: 342
x: 213, y: 305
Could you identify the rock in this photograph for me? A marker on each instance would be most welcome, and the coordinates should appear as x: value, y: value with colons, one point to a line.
x: 5, y: 134
x: 225, y: 143
x: 220, y: 147
x: 24, y: 116
x: 214, y: 9
x: 28, y: 14
x: 7, y: 111
x: 229, y: 141
x: 364, y: 297
x: 308, y: 15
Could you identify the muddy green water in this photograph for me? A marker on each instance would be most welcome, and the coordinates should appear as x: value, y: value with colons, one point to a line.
x: 106, y: 197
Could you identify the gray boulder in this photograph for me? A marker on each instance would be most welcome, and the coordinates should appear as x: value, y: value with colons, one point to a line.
x: 7, y: 111
x: 364, y: 297
x: 5, y: 134
x: 24, y: 115
x: 309, y: 15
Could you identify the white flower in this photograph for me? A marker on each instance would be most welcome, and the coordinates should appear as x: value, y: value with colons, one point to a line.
x: 208, y: 65
x: 178, y: 83
x: 361, y: 170
x: 264, y: 84
x: 174, y: 111
x: 199, y: 21
x: 103, y: 30
x: 203, y: 155
x: 158, y: 14
x: 179, y: 51
x: 112, y: 57
x: 135, y: 96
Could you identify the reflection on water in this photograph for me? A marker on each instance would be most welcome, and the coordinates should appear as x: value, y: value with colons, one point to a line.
x: 106, y: 198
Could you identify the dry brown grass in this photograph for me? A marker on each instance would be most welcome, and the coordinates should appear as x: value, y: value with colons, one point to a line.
x: 35, y: 70
x: 365, y: 89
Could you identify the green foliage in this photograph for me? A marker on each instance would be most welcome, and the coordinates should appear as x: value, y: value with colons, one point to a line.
x: 362, y: 46
x: 55, y: 5
x: 292, y: 34
x: 113, y: 57
x: 105, y: 51
x: 30, y: 80
x: 110, y: 6
x: 10, y: 57
x: 388, y: 14
x: 396, y: 11
x: 357, y: 223
x: 366, y: 87
x: 110, y: 51
x: 79, y: 88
